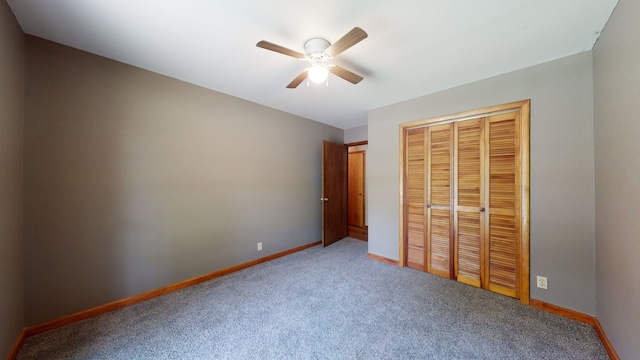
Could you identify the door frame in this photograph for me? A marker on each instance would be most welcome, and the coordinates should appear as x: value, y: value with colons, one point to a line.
x: 523, y: 107
x: 364, y: 180
x: 363, y: 154
x: 359, y: 234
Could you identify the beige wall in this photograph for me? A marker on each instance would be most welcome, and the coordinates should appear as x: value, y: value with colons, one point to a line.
x: 562, y: 176
x: 617, y: 156
x: 355, y: 134
x: 11, y: 115
x: 135, y: 181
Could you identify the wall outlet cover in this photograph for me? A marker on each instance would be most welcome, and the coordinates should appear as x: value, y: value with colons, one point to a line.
x: 541, y: 281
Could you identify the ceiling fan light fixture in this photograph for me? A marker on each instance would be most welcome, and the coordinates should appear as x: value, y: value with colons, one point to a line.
x: 318, y: 52
x: 318, y: 73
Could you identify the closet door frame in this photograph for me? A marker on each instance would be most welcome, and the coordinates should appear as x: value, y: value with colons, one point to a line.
x: 523, y: 109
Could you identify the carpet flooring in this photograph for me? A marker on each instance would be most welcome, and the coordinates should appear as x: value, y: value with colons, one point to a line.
x: 323, y: 303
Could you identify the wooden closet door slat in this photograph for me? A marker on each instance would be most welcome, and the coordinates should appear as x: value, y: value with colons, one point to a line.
x: 468, y: 254
x: 415, y: 199
x: 503, y: 204
x: 439, y: 177
x: 468, y: 199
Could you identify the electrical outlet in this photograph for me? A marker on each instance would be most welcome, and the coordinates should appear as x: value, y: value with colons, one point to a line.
x: 542, y: 282
x: 260, y: 246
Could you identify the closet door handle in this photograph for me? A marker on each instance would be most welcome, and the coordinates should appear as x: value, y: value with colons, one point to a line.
x: 481, y: 209
x: 429, y: 206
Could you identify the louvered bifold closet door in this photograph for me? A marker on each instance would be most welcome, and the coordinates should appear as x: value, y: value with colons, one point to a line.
x: 439, y: 214
x: 469, y: 201
x: 503, y: 160
x: 415, y: 199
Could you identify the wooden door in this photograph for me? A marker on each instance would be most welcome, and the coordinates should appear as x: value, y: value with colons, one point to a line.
x: 334, y: 192
x: 438, y: 213
x: 503, y: 163
x: 465, y: 197
x: 469, y: 211
x: 356, y: 166
x: 415, y: 221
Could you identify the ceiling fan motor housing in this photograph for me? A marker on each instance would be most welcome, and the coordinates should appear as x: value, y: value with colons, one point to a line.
x: 315, y: 49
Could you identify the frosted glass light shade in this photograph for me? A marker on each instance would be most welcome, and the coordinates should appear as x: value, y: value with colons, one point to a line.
x: 318, y: 73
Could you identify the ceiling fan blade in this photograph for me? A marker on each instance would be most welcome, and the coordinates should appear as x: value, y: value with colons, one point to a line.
x: 280, y: 49
x: 300, y: 78
x: 345, y: 74
x: 348, y: 40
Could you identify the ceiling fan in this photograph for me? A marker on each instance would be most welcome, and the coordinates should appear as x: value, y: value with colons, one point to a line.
x: 317, y: 52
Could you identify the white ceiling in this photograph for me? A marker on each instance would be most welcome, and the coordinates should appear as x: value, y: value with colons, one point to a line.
x: 414, y: 48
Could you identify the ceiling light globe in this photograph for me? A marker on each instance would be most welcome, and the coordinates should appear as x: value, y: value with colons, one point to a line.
x: 318, y: 73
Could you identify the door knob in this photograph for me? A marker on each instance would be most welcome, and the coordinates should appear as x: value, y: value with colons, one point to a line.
x: 429, y: 206
x: 481, y: 209
x: 324, y: 199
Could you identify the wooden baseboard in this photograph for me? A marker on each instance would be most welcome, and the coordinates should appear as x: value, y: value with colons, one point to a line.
x: 578, y: 316
x: 605, y: 341
x: 558, y: 310
x: 15, y: 349
x: 82, y: 315
x: 382, y: 259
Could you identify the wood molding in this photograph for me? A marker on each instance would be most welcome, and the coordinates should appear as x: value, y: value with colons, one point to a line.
x: 37, y: 329
x: 465, y: 115
x: 564, y: 312
x: 402, y: 221
x: 357, y: 143
x: 382, y: 259
x: 102, y: 309
x: 605, y: 341
x: 15, y: 349
x: 525, y: 225
x: 578, y: 316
